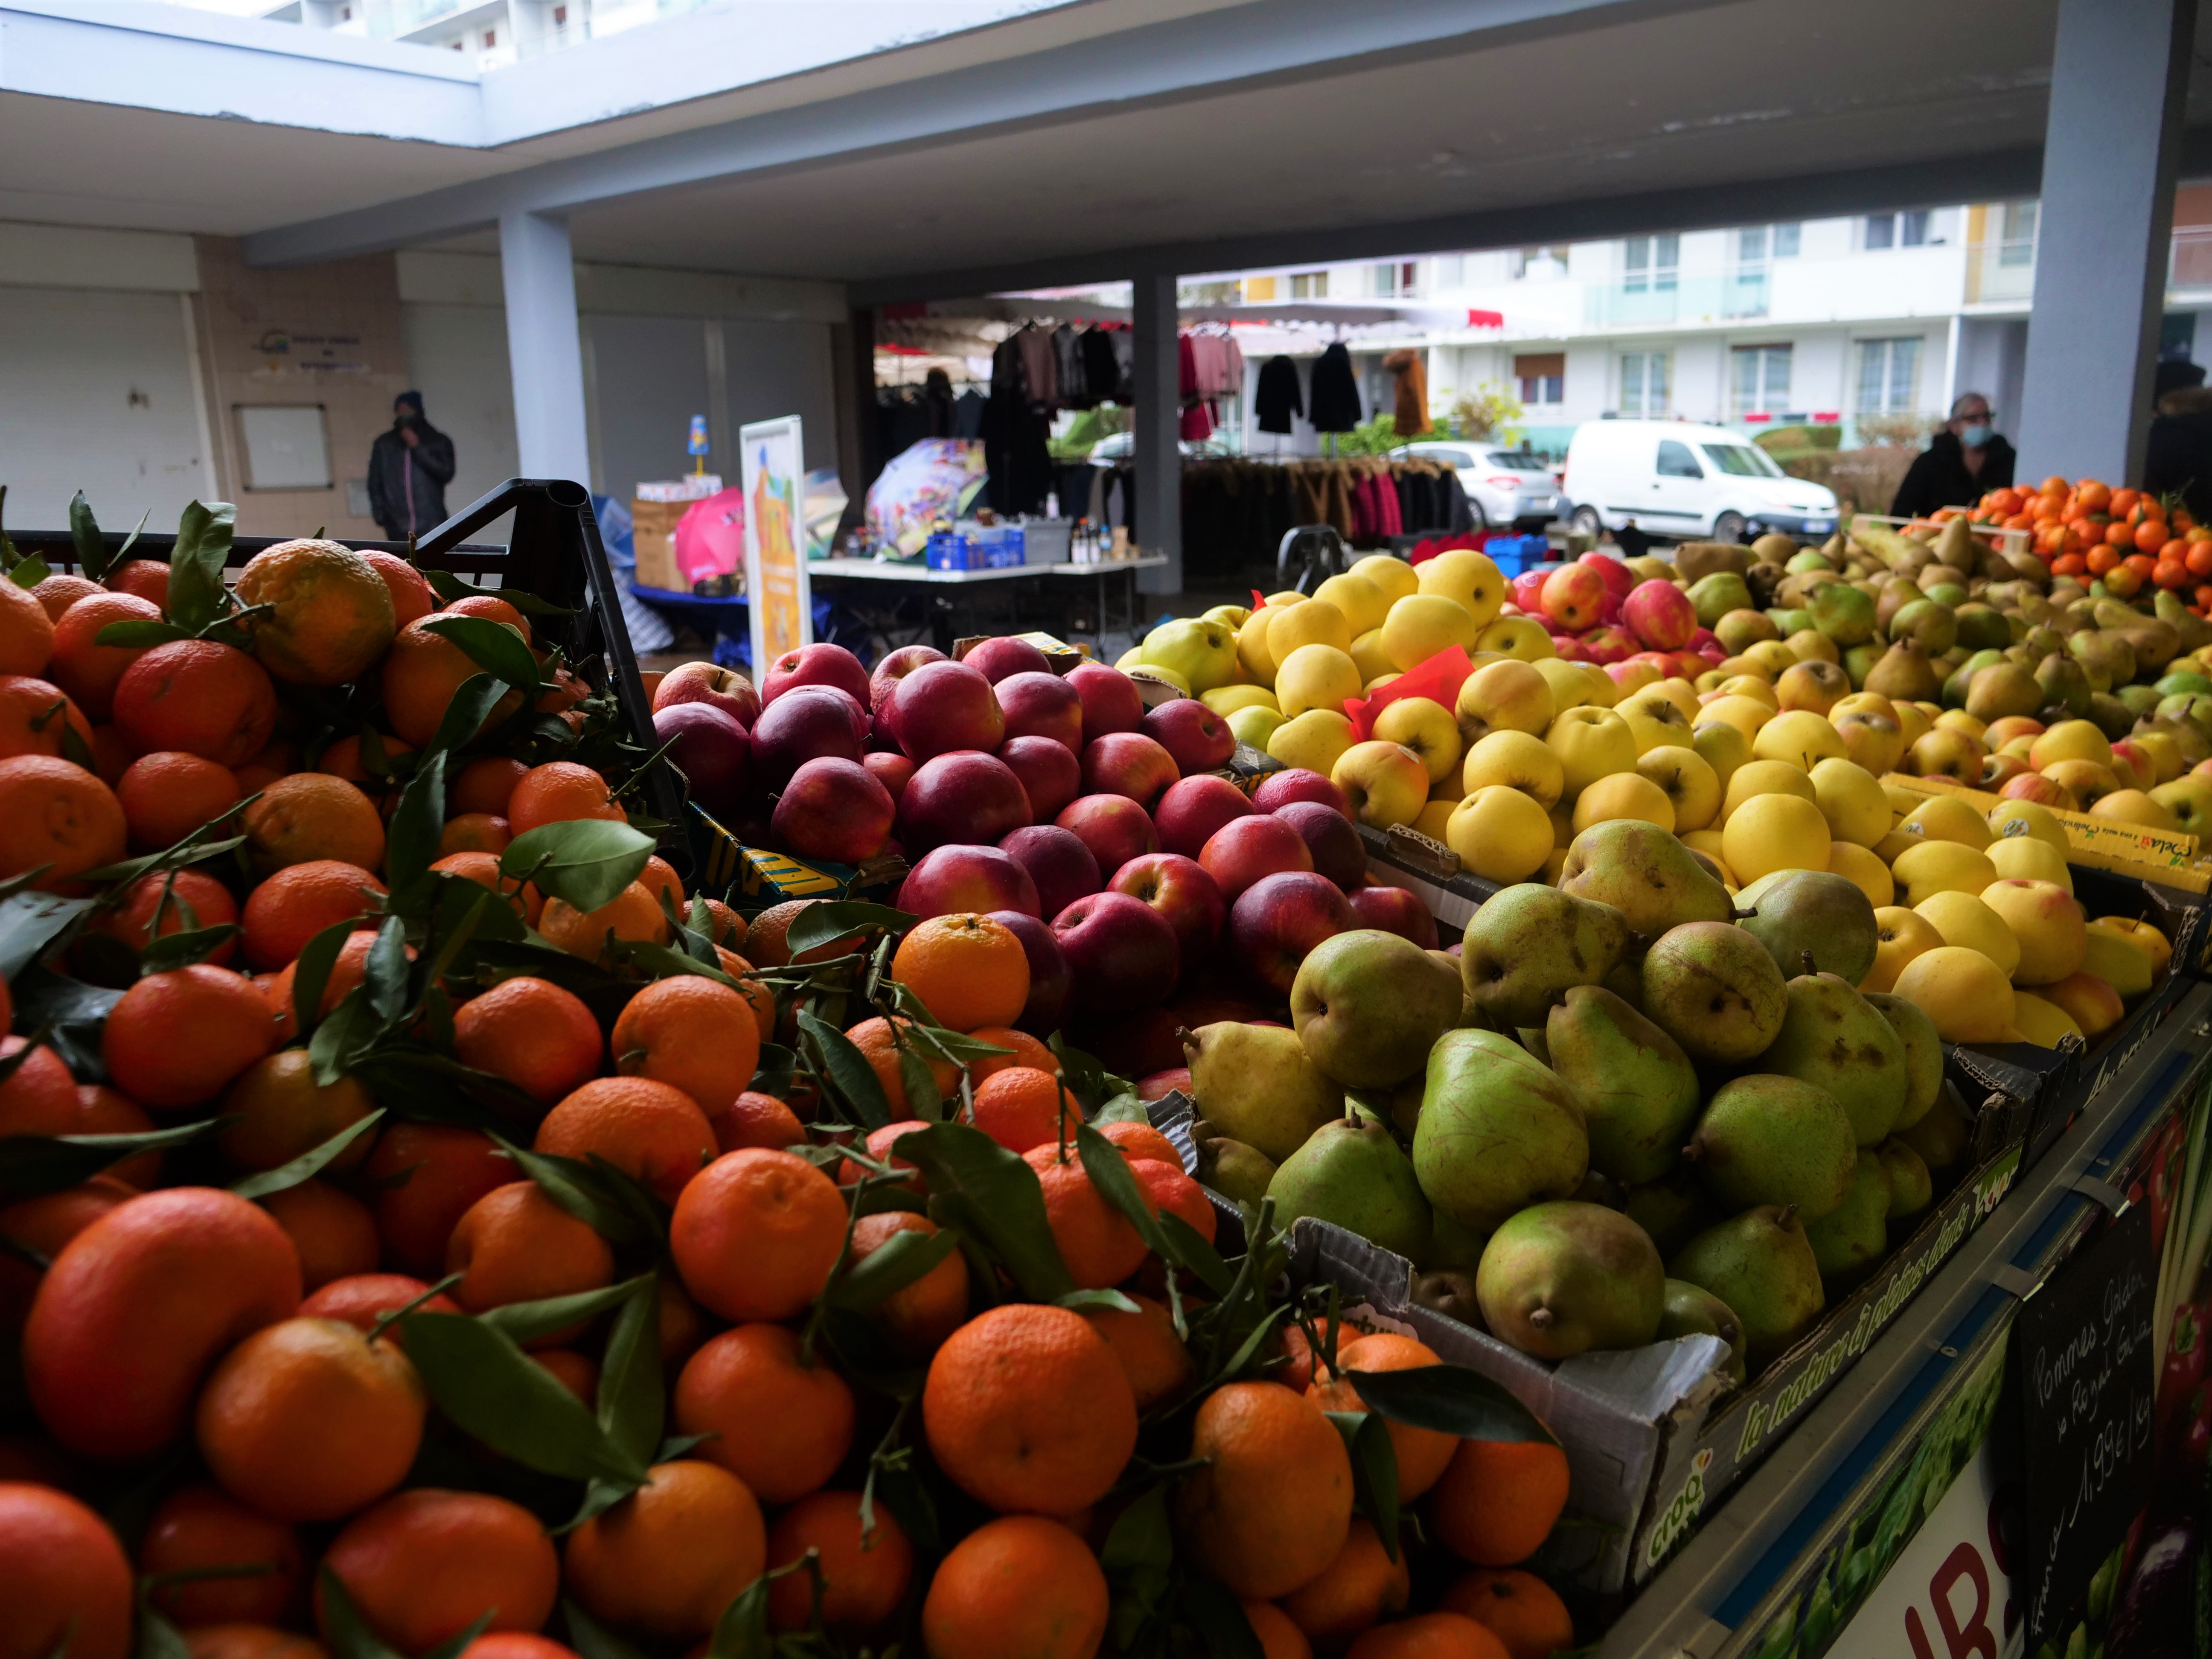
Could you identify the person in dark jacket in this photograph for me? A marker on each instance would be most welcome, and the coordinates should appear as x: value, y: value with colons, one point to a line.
x: 2178, y: 454
x: 408, y: 468
x: 1964, y: 461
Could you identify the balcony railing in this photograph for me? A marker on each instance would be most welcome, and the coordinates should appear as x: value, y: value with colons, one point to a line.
x: 1656, y: 301
x: 2000, y: 271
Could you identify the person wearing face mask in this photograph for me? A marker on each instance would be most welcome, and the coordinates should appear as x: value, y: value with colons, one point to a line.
x: 408, y: 468
x: 1962, y: 463
x: 2177, y: 454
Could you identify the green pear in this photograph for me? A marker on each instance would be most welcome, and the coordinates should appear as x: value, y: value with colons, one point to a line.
x: 1943, y: 1137
x: 1254, y: 1083
x: 1642, y: 871
x: 1238, y: 1172
x: 1714, y: 596
x: 1497, y: 1044
x: 1672, y: 1210
x: 1637, y: 1090
x: 1558, y: 1279
x: 1766, y: 1139
x: 1762, y: 1266
x: 1794, y: 911
x: 1843, y: 613
x: 1692, y: 1311
x: 1832, y: 1039
x: 1353, y: 1174
x: 1529, y: 945
x: 1367, y: 1005
x: 1910, y: 1189
x: 1851, y: 1239
x: 1495, y: 1134
x: 1451, y: 1245
x: 1923, y: 1054
x: 1712, y: 987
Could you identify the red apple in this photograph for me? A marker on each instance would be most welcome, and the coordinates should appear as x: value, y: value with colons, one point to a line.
x: 1278, y: 789
x: 1619, y: 580
x: 1528, y: 589
x: 713, y: 751
x: 1111, y: 701
x: 1337, y: 850
x: 942, y: 707
x: 1050, y: 977
x: 1281, y: 917
x: 805, y: 724
x: 1608, y: 644
x: 1660, y: 615
x: 1244, y: 850
x: 1180, y: 889
x: 1113, y: 827
x: 1051, y: 775
x: 964, y: 796
x: 1197, y: 1008
x: 1127, y: 763
x: 1571, y: 596
x: 1196, y: 739
x: 816, y: 664
x: 1193, y: 808
x: 1043, y: 706
x: 709, y: 683
x: 1394, y: 911
x: 2044, y: 791
x: 1058, y: 862
x: 1567, y: 649
x: 1002, y: 656
x: 890, y: 769
x: 1122, y: 950
x: 1160, y: 1084
x: 832, y: 809
x: 954, y: 880
x: 1129, y: 1044
x: 894, y: 667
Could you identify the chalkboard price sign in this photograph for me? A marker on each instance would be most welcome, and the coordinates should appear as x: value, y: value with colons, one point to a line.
x: 2088, y: 1385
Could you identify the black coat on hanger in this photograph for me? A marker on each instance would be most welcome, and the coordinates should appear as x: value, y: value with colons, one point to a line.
x: 1333, y: 400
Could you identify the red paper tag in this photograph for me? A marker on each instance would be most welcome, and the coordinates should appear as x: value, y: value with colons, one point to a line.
x: 1439, y: 679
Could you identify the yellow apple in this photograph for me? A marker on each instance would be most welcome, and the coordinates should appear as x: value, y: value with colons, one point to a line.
x: 2047, y: 923
x: 1591, y: 744
x: 1515, y: 760
x: 2119, y: 957
x: 1747, y: 714
x: 1315, y: 623
x: 1721, y: 746
x: 1421, y: 624
x: 1569, y: 684
x: 1253, y: 655
x: 1930, y: 867
x: 2154, y: 944
x: 1962, y: 991
x: 2025, y: 857
x: 1385, y: 783
x: 1507, y: 696
x: 1858, y: 866
x: 1256, y: 724
x: 1913, y: 723
x: 1810, y: 645
x: 1958, y: 721
x: 1750, y: 685
x: 1500, y: 834
x: 1631, y: 677
x: 1379, y: 681
x: 2044, y: 1023
x: 1708, y: 841
x: 2070, y: 740
x: 1869, y: 703
x: 1466, y: 576
x: 1689, y: 783
x: 2086, y: 781
x: 1390, y: 573
x: 1435, y: 817
x: 1775, y: 832
x: 1871, y: 737
x: 1798, y: 736
x: 1563, y: 832
x: 1134, y: 657
x: 2135, y: 807
x: 1312, y: 740
x: 1899, y: 935
x: 2164, y: 751
x: 1817, y: 685
x: 1963, y: 919
x: 1624, y: 795
x: 1771, y: 658
x: 1655, y: 724
x: 1853, y: 802
x: 1288, y: 597
x: 2093, y: 1004
x: 1515, y: 636
x: 1364, y: 604
x: 1756, y: 778
x: 1226, y: 700
x: 1947, y: 817
x: 1369, y: 657
x: 1426, y: 727
x: 1316, y: 676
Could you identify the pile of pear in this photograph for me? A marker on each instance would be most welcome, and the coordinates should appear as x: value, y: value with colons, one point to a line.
x: 1639, y: 1107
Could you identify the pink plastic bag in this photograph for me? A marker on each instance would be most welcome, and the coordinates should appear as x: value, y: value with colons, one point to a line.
x: 710, y: 538
x: 1439, y: 679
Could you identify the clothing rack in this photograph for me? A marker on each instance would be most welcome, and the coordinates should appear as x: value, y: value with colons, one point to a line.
x: 1236, y: 511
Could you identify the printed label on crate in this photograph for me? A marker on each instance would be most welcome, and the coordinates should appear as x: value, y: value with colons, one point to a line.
x: 2160, y: 855
x: 1684, y: 1507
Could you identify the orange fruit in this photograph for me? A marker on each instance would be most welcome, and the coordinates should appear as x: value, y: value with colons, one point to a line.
x: 647, y: 1130
x: 757, y: 1119
x: 274, y: 762
x: 475, y: 832
x: 333, y: 615
x: 873, y: 1038
x: 632, y: 914
x: 1100, y: 1245
x: 1278, y: 1638
x: 969, y: 970
x: 276, y: 1111
x: 670, y: 1557
x: 1153, y: 1356
x: 532, y: 1033
x: 81, y: 666
x: 112, y: 755
x: 1020, y: 1107
x: 56, y: 814
x: 60, y: 592
x: 101, y: 1110
x: 1026, y: 1408
x: 659, y: 877
x: 411, y: 595
x: 557, y: 792
x: 27, y: 633
x: 576, y: 1372
x: 756, y: 1233
x: 148, y: 578
x: 1174, y: 1193
x: 1027, y: 1051
x: 310, y: 816
x: 491, y: 608
x: 1520, y: 1609
x: 727, y: 931
x: 64, y: 1578
x: 1273, y: 1504
x: 420, y: 673
x: 780, y: 1425
x: 43, y: 1224
x: 168, y: 794
x: 1423, y: 1454
x: 309, y: 1420
x: 342, y: 758
x: 1359, y: 1588
x: 1498, y: 1500
x: 1141, y: 1141
x: 919, y: 1318
x: 33, y: 714
x: 483, y: 868
x: 1020, y: 1587
x: 484, y: 784
x: 202, y: 1526
x: 425, y: 1178
x: 348, y: 970
x: 512, y: 1644
x: 515, y: 1244
x: 364, y: 1298
x: 297, y: 902
x: 207, y: 699
x: 1427, y: 1635
x: 424, y: 1564
x: 864, y: 1573
x: 881, y: 1143
x: 688, y: 1032
x: 334, y: 1232
x: 168, y: 904
x: 178, y: 1038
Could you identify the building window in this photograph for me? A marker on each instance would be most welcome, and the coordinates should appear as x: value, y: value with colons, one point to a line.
x: 1542, y: 376
x: 1540, y: 260
x: 2017, y: 223
x: 1898, y: 229
x: 1785, y: 241
x: 1396, y: 278
x: 559, y: 17
x: 1309, y: 285
x: 1644, y: 376
x: 1650, y: 263
x: 1889, y: 376
x: 1760, y: 378
x: 492, y: 38
x: 1451, y: 269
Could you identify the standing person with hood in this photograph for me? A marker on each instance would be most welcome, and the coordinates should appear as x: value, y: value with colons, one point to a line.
x: 408, y: 468
x: 1964, y: 461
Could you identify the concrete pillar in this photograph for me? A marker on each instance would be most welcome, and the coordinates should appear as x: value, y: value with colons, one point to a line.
x: 2119, y: 76
x: 1158, y: 417
x: 544, y: 355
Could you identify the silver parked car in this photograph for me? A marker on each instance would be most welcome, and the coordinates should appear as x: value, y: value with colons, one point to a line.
x: 1507, y: 487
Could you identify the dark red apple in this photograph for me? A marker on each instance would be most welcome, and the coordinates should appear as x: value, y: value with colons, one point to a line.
x: 1244, y: 850
x: 713, y: 751
x: 709, y: 683
x: 894, y: 667
x: 1160, y: 1084
x: 1281, y: 917
x: 1127, y: 763
x: 1338, y: 852
x: 892, y: 770
x: 964, y: 796
x: 1180, y: 889
x: 1394, y: 911
x: 1050, y: 977
x: 1196, y: 739
x: 944, y: 706
x: 816, y: 664
x: 1051, y: 777
x: 1058, y: 862
x: 1123, y: 953
x: 1113, y: 827
x: 1043, y: 706
x: 958, y: 880
x: 1111, y: 701
x: 1296, y: 783
x: 806, y: 723
x: 1197, y: 1008
x: 1002, y: 656
x: 832, y: 809
x: 1129, y: 1044
x: 1193, y: 808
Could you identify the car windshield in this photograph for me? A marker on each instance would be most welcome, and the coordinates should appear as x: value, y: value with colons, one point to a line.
x: 1741, y: 460
x: 1518, y: 460
x: 1454, y: 457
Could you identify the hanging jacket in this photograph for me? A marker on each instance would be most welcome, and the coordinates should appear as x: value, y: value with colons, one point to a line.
x: 1278, y: 397
x: 1334, y: 398
x: 1410, y: 418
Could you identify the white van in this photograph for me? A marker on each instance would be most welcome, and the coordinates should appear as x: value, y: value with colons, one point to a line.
x: 1692, y: 482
